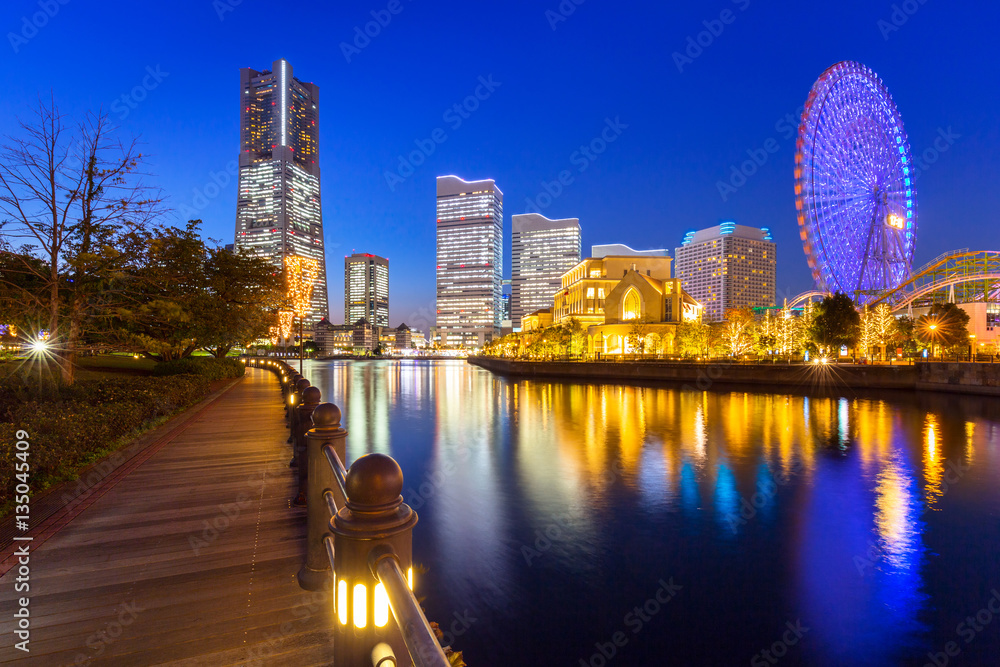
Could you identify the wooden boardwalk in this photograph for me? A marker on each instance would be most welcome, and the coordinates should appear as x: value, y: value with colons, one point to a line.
x: 189, y: 560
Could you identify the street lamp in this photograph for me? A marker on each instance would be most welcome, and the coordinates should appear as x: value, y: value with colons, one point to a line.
x: 972, y: 347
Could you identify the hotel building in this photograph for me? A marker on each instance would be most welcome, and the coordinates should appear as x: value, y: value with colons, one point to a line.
x: 726, y: 267
x: 278, y: 210
x: 469, y: 261
x: 542, y: 250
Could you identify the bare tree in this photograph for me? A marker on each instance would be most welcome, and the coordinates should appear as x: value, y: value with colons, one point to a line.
x: 38, y: 191
x: 78, y: 204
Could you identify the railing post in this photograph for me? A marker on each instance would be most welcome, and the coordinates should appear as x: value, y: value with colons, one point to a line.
x: 303, y: 420
x: 374, y: 516
x: 293, y: 421
x: 315, y: 573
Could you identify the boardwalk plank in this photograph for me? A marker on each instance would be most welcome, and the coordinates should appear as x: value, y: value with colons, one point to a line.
x: 234, y: 602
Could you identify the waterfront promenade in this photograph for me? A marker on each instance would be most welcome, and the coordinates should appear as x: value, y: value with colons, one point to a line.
x: 952, y: 377
x: 190, y: 559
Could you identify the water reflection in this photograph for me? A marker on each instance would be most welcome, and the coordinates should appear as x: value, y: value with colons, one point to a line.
x: 819, y: 505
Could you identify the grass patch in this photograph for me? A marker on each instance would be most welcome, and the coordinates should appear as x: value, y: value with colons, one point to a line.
x: 116, y: 362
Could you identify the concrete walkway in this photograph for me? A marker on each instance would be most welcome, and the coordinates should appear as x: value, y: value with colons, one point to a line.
x: 190, y: 559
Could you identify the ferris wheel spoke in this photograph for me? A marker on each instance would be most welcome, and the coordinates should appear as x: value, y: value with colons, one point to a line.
x: 851, y: 178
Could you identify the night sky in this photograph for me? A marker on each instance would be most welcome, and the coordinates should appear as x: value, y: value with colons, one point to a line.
x: 558, y: 80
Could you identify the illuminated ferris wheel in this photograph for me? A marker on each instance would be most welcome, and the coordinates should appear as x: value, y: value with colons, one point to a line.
x: 854, y: 193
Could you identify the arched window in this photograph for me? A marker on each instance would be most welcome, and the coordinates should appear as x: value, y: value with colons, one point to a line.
x: 631, y: 305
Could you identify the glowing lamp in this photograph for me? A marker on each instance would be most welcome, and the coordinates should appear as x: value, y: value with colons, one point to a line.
x: 895, y: 221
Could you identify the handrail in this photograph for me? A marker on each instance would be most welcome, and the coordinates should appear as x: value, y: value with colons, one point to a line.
x: 416, y: 633
x: 425, y: 651
x: 331, y: 503
x: 339, y: 472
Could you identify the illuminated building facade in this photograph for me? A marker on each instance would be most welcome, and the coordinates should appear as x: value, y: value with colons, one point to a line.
x: 469, y: 261
x: 278, y: 211
x: 585, y: 286
x: 366, y: 289
x: 728, y: 266
x: 542, y: 250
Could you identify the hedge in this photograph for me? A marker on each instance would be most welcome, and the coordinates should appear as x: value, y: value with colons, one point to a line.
x: 210, y: 367
x: 82, y: 423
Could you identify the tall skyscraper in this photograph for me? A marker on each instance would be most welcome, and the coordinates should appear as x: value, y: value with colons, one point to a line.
x: 726, y: 267
x: 278, y: 210
x: 542, y: 250
x: 469, y: 261
x: 366, y: 289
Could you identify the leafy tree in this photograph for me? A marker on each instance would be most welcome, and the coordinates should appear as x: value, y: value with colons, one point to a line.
x: 242, y: 293
x: 945, y: 325
x: 905, y: 337
x: 692, y: 339
x: 737, y: 332
x: 577, y: 337
x: 837, y: 323
x: 765, y: 334
x: 162, y: 321
x: 636, y: 337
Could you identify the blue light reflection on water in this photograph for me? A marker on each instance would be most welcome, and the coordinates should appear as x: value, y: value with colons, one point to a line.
x: 549, y: 510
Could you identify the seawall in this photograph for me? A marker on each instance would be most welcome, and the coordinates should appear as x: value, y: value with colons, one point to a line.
x: 969, y: 378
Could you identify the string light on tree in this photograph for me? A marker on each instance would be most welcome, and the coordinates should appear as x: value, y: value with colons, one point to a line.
x: 301, y: 273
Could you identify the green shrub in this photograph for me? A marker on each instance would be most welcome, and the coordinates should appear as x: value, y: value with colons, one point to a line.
x: 210, y: 367
x: 82, y: 423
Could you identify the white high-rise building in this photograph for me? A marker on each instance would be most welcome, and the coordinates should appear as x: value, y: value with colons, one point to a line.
x: 726, y: 267
x: 366, y: 289
x: 542, y: 250
x: 278, y: 211
x: 469, y: 261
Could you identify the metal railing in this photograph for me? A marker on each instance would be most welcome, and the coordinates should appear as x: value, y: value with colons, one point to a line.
x: 359, y: 537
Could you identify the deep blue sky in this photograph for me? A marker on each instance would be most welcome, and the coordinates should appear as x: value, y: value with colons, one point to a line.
x: 606, y: 60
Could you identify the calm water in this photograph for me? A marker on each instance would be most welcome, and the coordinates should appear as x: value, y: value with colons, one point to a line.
x: 557, y: 521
